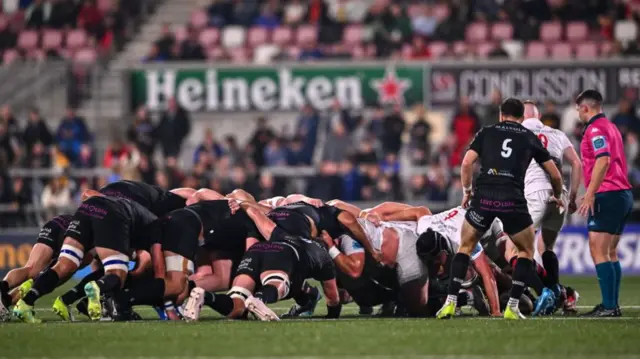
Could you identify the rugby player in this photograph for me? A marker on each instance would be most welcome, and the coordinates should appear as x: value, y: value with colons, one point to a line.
x: 499, y: 193
x: 42, y: 254
x: 447, y: 224
x: 608, y: 201
x: 110, y: 227
x: 547, y: 218
x: 273, y: 271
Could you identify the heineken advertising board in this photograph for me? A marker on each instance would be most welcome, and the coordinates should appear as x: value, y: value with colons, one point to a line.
x: 277, y: 88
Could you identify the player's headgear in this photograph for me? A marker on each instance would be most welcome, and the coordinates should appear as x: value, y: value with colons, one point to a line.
x: 512, y: 107
x: 430, y: 243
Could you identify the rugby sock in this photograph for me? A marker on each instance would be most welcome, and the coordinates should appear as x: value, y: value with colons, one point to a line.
x: 459, y: 267
x: 4, y: 293
x: 618, y: 271
x: 267, y: 294
x: 522, y: 271
x: 109, y: 283
x: 77, y: 292
x: 46, y: 282
x: 221, y: 303
x: 307, y: 294
x: 190, y: 285
x: 550, y: 262
x: 606, y: 279
x: 148, y: 292
x: 4, y: 287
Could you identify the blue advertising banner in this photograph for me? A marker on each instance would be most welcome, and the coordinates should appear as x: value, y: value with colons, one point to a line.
x: 572, y: 249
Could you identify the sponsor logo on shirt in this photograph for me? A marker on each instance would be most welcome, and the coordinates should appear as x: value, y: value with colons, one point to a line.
x: 598, y: 142
x: 502, y: 173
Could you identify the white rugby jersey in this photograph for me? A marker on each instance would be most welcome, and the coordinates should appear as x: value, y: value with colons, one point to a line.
x: 449, y: 224
x: 272, y: 202
x: 375, y: 233
x: 556, y: 142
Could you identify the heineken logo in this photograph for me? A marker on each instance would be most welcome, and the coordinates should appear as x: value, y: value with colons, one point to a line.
x: 266, y: 89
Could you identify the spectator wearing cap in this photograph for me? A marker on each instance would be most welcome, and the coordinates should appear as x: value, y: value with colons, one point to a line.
x: 36, y: 131
x: 72, y: 133
x: 174, y: 127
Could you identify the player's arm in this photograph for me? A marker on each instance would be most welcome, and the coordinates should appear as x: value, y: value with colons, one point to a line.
x: 184, y: 192
x: 88, y: 193
x: 571, y: 156
x: 481, y: 265
x: 542, y: 157
x: 203, y: 194
x: 157, y: 260
x: 387, y: 208
x: 263, y: 223
x: 350, y: 222
x: 350, y: 264
x: 293, y: 198
x: 347, y: 207
x: 143, y: 263
x: 409, y: 214
x: 466, y: 174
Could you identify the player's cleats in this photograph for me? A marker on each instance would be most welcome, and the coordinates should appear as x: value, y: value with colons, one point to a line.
x: 607, y: 313
x: 94, y: 306
x: 545, y: 302
x: 386, y: 310
x: 307, y: 309
x: 570, y: 304
x: 260, y: 310
x: 593, y: 311
x: 366, y: 310
x: 194, y: 303
x: 447, y: 311
x: 480, y: 302
x: 5, y: 315
x: 618, y: 311
x: 513, y: 313
x: 25, y: 287
x: 62, y: 310
x: 161, y: 313
x: 25, y: 312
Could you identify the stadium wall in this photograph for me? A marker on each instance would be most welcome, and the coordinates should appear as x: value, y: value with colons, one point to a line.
x: 572, y: 249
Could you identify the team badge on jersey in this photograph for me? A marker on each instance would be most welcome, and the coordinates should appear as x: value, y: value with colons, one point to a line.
x: 598, y: 142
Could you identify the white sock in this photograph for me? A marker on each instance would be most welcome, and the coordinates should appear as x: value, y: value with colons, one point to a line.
x: 514, y: 303
x: 451, y: 298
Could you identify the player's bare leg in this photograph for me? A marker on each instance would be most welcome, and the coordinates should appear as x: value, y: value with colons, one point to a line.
x: 39, y: 258
x: 116, y: 267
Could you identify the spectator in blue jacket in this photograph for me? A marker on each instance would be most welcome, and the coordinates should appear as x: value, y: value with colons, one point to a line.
x: 307, y: 129
x: 72, y: 133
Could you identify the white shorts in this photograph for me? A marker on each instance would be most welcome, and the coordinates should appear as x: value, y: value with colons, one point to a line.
x: 544, y: 215
x: 409, y: 266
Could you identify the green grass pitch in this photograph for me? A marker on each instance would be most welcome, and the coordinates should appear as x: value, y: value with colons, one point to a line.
x: 349, y: 337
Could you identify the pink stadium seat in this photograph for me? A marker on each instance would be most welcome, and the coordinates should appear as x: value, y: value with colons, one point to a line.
x: 180, y: 33
x: 76, y: 39
x: 105, y: 5
x: 352, y: 35
x: 483, y: 49
x: 551, y: 31
x: 587, y: 50
x: 606, y: 48
x: 215, y: 53
x: 307, y: 34
x: 414, y: 10
x: 257, y: 36
x: 209, y: 37
x: 536, y: 50
x: 36, y: 54
x: 199, y: 19
x: 561, y: 51
x: 85, y: 56
x: 577, y: 31
x: 10, y: 56
x: 51, y: 39
x: 407, y: 52
x: 282, y: 35
x: 239, y: 55
x: 476, y: 32
x: 358, y: 53
x: 441, y: 12
x: 460, y: 48
x: 437, y: 48
x: 28, y: 40
x: 293, y: 52
x: 502, y: 31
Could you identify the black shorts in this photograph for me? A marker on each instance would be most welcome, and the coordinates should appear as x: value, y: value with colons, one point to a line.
x: 268, y: 256
x: 512, y: 212
x: 52, y: 235
x: 292, y: 222
x: 101, y: 223
x: 181, y: 233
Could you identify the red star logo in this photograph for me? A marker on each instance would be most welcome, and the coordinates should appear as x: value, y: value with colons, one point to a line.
x: 390, y: 88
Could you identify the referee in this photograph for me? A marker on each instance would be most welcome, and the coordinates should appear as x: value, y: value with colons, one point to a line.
x: 504, y: 151
x: 608, y: 201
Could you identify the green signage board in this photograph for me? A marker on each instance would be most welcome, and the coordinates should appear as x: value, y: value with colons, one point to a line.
x: 277, y: 88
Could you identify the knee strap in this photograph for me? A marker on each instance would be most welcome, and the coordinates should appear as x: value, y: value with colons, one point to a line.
x: 71, y: 253
x: 116, y: 262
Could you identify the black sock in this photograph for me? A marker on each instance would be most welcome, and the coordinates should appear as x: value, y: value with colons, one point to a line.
x: 4, y: 287
x: 148, y: 292
x: 522, y: 272
x: 190, y: 285
x: 109, y: 283
x: 267, y: 294
x: 77, y: 292
x: 209, y: 298
x: 459, y: 267
x: 550, y: 262
x: 46, y: 282
x: 221, y: 303
x: 4, y: 293
x: 308, y: 294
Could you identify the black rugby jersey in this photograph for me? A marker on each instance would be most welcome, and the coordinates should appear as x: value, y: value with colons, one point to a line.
x: 151, y: 197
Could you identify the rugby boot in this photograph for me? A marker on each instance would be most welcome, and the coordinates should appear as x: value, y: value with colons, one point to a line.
x: 25, y: 312
x: 544, y: 303
x: 570, y: 304
x: 194, y: 304
x: 307, y: 309
x: 260, y: 310
x: 598, y: 308
x: 447, y: 311
x: 94, y: 306
x: 513, y: 313
x: 25, y: 287
x: 62, y: 310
